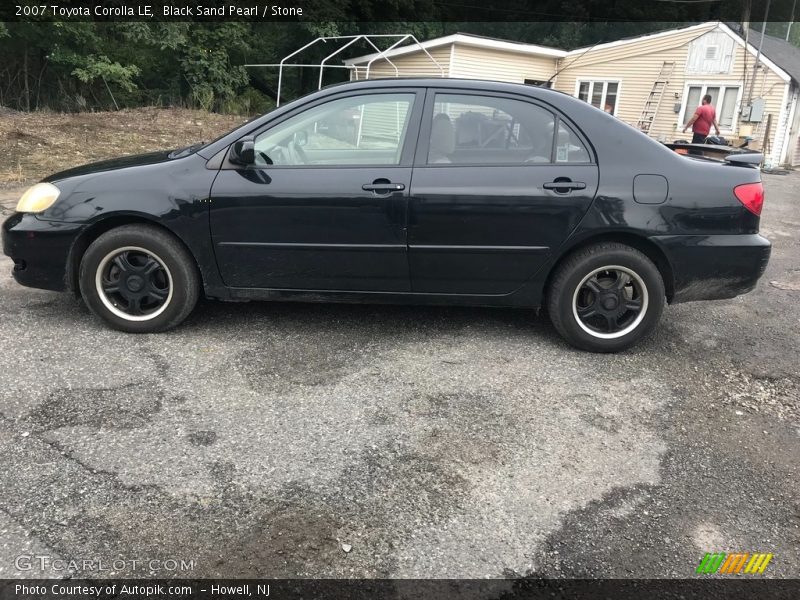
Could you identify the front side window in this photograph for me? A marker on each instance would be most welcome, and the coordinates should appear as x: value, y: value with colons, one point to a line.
x: 357, y: 130
x: 489, y: 130
x: 602, y: 94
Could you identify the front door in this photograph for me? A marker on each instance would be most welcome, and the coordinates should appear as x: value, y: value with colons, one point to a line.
x: 325, y: 205
x: 494, y: 192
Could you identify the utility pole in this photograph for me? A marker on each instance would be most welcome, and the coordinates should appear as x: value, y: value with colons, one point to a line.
x: 758, y: 54
x: 791, y: 20
x: 746, y: 36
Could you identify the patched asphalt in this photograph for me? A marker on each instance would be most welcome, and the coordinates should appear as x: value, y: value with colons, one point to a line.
x: 264, y: 439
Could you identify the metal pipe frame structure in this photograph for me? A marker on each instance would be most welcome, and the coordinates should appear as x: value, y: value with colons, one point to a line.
x: 380, y: 55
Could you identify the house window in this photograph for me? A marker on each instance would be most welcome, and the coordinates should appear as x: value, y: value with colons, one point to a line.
x: 724, y: 99
x: 602, y: 94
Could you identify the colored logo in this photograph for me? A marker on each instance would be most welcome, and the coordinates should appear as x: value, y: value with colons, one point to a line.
x: 736, y: 563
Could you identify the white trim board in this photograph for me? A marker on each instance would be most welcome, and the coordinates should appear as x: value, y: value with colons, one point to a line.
x: 786, y: 155
x: 781, y: 127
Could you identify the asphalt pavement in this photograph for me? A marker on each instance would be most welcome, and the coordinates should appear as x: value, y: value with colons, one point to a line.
x: 312, y: 440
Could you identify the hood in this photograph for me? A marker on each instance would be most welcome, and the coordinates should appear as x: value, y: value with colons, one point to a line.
x: 113, y: 164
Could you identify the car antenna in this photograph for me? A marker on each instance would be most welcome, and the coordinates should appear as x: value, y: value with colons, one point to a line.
x: 554, y: 75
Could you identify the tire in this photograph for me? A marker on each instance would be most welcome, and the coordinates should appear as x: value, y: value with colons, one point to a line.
x: 139, y: 279
x: 606, y: 297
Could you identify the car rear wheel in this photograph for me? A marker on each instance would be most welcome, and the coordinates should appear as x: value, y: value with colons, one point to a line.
x: 605, y: 298
x: 139, y: 279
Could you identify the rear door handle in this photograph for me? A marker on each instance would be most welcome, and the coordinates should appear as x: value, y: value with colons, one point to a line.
x: 564, y: 186
x: 383, y: 188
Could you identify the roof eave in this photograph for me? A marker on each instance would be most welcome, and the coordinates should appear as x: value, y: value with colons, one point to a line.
x: 458, y: 38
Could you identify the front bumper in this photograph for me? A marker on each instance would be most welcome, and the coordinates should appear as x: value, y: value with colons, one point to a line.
x: 714, y: 267
x: 40, y: 250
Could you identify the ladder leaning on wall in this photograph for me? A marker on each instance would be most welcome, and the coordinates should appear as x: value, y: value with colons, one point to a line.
x: 650, y: 109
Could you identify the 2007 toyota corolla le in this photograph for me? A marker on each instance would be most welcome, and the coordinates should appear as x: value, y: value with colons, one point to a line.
x: 404, y: 190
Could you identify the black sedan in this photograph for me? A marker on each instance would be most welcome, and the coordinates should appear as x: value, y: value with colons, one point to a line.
x: 436, y: 191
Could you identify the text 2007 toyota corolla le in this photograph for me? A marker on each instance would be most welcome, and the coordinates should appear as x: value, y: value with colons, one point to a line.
x: 410, y: 191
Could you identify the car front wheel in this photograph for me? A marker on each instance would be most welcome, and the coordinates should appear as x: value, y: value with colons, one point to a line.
x: 606, y: 297
x: 139, y: 279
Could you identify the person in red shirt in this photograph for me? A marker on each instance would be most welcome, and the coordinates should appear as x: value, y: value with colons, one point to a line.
x: 704, y: 117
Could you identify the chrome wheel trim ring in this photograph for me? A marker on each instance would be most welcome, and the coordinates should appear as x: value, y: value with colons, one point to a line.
x: 109, y: 304
x: 629, y: 328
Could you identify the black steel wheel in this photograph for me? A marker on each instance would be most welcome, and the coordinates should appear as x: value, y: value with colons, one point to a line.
x: 139, y: 278
x: 134, y: 283
x: 606, y: 297
x: 610, y: 302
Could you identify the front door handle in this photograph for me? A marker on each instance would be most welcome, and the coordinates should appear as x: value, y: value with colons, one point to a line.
x: 564, y: 185
x: 383, y: 187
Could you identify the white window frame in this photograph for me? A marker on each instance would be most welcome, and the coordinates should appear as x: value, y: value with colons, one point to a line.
x: 704, y: 85
x: 605, y: 83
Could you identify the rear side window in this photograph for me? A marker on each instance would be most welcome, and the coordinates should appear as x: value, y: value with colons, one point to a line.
x: 569, y: 147
x: 475, y: 130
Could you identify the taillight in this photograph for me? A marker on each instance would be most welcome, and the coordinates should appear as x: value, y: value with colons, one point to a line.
x: 751, y: 195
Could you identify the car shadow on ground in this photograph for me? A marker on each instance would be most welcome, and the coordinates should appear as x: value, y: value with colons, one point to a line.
x: 390, y: 318
x: 376, y: 322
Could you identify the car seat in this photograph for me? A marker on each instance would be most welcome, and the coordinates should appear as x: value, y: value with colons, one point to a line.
x: 443, y: 140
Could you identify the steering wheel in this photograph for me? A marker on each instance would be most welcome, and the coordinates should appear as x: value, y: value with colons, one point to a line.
x: 263, y: 156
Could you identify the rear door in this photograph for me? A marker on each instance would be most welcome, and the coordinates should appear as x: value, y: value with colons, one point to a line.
x: 325, y: 205
x: 499, y: 182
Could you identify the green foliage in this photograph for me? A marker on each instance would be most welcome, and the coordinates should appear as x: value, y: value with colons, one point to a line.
x: 248, y: 102
x: 204, y: 54
x: 778, y: 29
x: 101, y: 67
x: 88, y: 65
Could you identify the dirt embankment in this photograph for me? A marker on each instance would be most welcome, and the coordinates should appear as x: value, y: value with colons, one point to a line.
x: 33, y: 145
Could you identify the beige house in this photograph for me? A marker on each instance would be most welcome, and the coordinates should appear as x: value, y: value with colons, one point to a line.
x: 653, y: 82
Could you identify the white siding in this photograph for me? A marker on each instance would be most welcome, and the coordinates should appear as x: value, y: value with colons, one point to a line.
x: 498, y: 65
x: 637, y: 65
x: 793, y: 153
x: 410, y: 65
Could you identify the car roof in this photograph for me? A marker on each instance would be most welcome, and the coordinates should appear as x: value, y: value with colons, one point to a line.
x: 478, y: 84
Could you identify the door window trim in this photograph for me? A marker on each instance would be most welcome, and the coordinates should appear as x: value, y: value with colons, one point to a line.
x: 424, y: 132
x: 409, y: 143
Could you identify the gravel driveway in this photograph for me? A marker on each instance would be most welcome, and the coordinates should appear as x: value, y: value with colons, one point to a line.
x: 301, y: 440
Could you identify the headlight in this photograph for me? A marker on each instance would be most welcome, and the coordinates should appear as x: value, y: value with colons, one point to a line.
x: 38, y: 198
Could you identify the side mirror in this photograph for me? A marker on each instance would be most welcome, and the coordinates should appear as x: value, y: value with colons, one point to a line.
x: 243, y: 152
